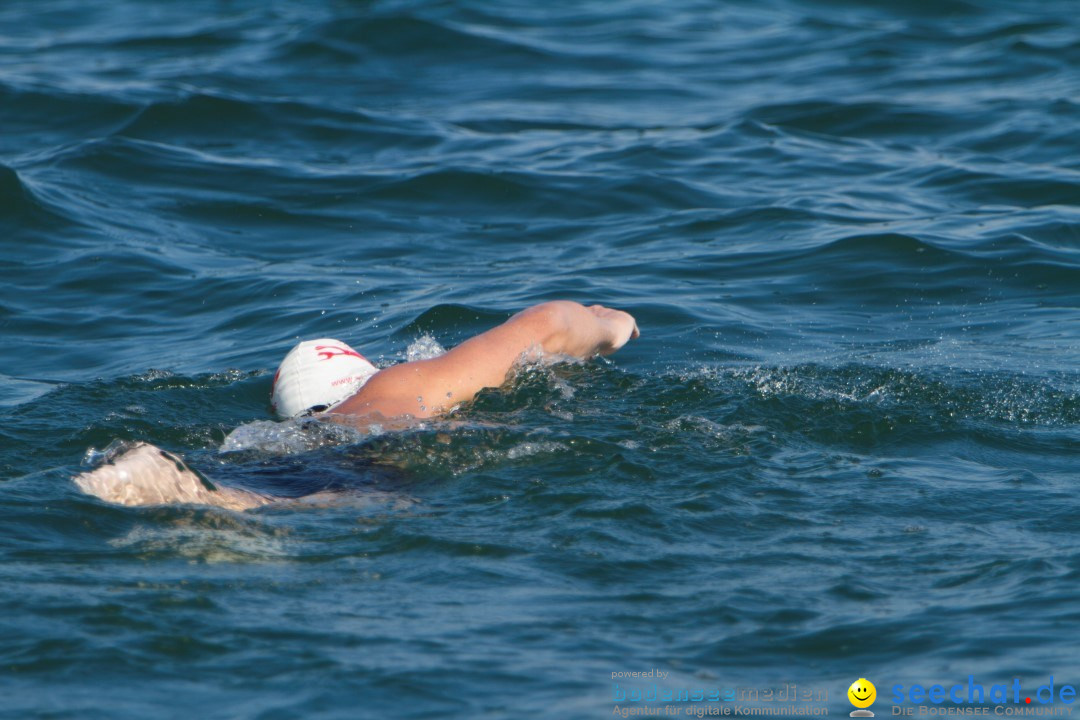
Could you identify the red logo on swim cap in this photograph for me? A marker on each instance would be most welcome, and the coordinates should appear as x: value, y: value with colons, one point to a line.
x: 329, y: 351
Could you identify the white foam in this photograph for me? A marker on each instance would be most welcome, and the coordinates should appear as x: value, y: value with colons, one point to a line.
x: 290, y: 437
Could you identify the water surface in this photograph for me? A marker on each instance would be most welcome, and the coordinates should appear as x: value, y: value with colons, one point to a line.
x: 846, y: 445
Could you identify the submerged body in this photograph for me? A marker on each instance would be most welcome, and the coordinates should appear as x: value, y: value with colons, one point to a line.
x: 394, y: 398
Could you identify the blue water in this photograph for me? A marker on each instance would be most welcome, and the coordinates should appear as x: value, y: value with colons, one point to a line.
x: 846, y: 445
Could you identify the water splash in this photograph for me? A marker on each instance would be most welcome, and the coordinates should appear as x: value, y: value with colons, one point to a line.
x: 290, y: 437
x: 424, y: 347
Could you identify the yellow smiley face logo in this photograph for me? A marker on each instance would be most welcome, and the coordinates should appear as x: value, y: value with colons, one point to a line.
x: 862, y: 693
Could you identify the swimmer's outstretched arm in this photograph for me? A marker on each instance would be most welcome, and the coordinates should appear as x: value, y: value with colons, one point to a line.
x: 425, y: 388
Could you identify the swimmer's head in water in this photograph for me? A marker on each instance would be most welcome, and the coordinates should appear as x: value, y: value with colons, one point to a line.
x: 316, y: 375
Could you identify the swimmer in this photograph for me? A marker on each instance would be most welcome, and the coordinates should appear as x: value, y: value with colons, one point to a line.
x: 330, y: 381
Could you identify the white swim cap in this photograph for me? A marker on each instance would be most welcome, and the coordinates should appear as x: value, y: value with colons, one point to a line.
x: 316, y: 375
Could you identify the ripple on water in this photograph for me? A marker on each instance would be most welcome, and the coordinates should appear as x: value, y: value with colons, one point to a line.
x: 847, y: 435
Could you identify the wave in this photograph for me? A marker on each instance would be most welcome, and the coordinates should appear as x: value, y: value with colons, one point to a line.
x: 26, y: 214
x: 43, y: 115
x: 207, y: 119
x: 416, y: 37
x: 865, y: 406
x: 859, y: 119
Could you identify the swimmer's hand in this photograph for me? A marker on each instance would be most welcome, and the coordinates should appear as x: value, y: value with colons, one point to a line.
x: 567, y: 328
x: 147, y: 475
x: 619, y: 328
